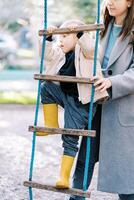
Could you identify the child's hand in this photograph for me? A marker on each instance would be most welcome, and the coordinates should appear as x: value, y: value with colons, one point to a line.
x: 51, y: 29
x: 72, y: 27
x: 101, y: 84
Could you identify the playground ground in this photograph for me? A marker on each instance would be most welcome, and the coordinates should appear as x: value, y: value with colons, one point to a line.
x: 15, y: 151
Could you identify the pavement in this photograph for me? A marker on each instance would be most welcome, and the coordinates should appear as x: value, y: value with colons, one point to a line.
x: 15, y: 153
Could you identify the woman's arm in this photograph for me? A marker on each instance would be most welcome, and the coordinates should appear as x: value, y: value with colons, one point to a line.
x: 123, y: 84
x: 120, y: 85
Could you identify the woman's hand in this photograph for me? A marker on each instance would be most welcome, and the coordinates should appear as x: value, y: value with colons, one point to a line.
x: 101, y: 84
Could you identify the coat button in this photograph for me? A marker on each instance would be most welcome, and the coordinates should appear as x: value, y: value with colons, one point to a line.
x: 110, y: 72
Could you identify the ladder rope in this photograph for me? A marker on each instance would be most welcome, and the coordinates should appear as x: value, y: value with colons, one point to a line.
x: 88, y: 148
x: 37, y: 102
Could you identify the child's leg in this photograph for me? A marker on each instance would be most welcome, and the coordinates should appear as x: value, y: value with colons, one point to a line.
x: 94, y: 156
x: 75, y: 117
x: 80, y: 166
x: 51, y: 96
x: 66, y: 166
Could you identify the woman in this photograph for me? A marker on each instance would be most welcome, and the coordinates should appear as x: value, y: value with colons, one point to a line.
x: 116, y: 153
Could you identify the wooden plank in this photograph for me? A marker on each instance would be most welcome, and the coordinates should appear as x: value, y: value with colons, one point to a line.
x: 67, y: 30
x: 59, y: 78
x: 54, y: 131
x: 76, y: 192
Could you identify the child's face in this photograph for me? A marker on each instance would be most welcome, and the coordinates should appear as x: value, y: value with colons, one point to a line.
x: 118, y: 8
x: 68, y: 42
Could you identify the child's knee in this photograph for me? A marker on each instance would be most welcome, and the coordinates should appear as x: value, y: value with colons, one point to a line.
x: 45, y: 88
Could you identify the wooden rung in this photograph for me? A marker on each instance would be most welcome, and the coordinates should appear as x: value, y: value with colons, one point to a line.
x: 90, y: 27
x: 59, y: 78
x: 54, y: 131
x: 76, y: 192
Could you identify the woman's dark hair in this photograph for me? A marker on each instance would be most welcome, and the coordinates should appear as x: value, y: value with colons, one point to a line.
x: 128, y: 23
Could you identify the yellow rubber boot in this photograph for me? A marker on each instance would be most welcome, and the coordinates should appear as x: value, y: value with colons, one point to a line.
x: 66, y: 166
x: 50, y: 112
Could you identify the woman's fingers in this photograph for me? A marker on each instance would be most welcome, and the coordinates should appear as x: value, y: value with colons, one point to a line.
x: 103, y: 89
x: 102, y: 86
x: 98, y: 82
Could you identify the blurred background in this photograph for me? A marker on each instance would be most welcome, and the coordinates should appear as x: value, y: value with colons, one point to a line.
x: 19, y: 41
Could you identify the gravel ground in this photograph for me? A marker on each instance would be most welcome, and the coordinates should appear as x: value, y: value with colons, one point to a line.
x: 15, y: 152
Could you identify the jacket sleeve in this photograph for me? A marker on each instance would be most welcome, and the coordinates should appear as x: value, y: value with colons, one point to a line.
x: 52, y: 51
x: 87, y: 45
x: 54, y: 58
x: 123, y: 84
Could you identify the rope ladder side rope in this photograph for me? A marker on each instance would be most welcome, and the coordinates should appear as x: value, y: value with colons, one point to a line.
x: 37, y: 102
x: 88, y: 149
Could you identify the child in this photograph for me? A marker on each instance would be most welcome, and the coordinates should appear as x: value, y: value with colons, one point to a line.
x: 74, y: 57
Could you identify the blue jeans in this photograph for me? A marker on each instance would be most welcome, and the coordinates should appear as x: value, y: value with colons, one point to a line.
x: 126, y: 196
x: 75, y: 113
x: 94, y: 156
